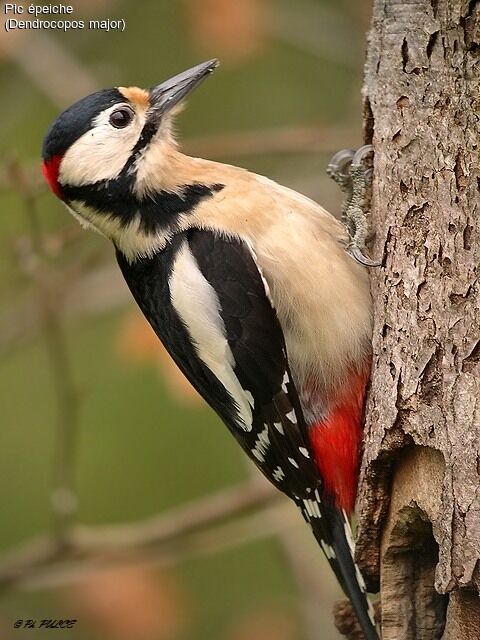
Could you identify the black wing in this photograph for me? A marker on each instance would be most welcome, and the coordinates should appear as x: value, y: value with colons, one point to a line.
x: 276, y: 437
x: 277, y: 440
x: 206, y: 287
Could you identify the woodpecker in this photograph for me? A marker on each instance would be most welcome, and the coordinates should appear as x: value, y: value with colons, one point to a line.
x: 249, y: 286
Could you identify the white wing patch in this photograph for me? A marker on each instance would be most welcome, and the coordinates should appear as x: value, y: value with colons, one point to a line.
x: 328, y: 550
x: 291, y: 416
x: 197, y: 304
x: 261, y: 445
x: 260, y: 271
x: 278, y: 474
x: 279, y: 427
x: 312, y: 508
x: 348, y: 533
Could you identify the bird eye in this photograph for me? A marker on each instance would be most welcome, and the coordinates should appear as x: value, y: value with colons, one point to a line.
x: 120, y: 118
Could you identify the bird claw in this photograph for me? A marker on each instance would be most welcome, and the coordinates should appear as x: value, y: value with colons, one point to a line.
x: 347, y: 168
x: 339, y: 166
x: 357, y: 255
x: 360, y: 154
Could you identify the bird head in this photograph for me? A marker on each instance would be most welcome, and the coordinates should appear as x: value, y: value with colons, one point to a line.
x: 111, y: 150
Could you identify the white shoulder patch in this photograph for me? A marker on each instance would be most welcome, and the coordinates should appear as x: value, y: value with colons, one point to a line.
x: 264, y: 280
x: 197, y: 304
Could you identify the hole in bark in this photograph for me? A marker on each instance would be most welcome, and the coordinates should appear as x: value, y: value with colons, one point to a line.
x: 368, y: 122
x: 378, y: 479
x: 447, y: 266
x: 472, y: 359
x: 431, y: 43
x: 404, y: 54
x: 472, y: 47
x: 396, y: 136
x: 460, y: 177
x: 403, y: 102
x: 420, y: 288
x: 415, y: 218
x: 455, y: 356
x: 431, y: 378
x: 471, y: 7
x: 409, y: 574
x: 434, y: 4
x: 403, y: 188
x: 460, y: 298
x: 467, y: 237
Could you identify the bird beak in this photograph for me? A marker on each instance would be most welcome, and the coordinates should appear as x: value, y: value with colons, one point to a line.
x: 165, y: 96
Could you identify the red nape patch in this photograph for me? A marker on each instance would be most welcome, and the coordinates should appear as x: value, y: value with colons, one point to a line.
x: 50, y: 170
x: 336, y: 444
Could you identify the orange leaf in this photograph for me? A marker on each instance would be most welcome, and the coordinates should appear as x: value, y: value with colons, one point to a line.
x: 130, y: 602
x: 235, y: 30
x: 136, y: 341
x: 138, y: 344
x: 265, y: 624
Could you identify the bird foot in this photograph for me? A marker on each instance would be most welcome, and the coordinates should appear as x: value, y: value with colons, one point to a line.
x: 339, y: 170
x: 349, y: 169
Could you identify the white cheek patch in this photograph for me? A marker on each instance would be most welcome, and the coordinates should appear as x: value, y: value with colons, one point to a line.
x: 102, y: 152
x: 197, y: 304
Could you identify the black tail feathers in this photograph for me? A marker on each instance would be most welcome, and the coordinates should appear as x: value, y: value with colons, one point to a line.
x: 331, y: 528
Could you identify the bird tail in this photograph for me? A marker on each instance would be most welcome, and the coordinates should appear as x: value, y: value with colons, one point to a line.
x: 331, y: 528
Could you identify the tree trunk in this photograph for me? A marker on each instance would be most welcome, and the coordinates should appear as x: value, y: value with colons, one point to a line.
x: 419, y: 524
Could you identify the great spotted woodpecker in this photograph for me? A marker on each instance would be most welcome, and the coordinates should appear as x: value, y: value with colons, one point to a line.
x: 248, y: 285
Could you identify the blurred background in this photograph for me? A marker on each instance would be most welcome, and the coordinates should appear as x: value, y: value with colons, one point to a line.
x: 125, y: 504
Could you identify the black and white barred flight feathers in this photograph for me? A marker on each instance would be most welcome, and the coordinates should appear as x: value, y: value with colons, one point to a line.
x: 233, y: 272
x: 238, y: 363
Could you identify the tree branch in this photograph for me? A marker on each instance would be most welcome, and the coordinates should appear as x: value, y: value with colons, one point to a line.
x: 89, y: 547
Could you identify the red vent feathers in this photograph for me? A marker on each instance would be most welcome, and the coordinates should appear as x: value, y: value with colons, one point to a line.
x: 336, y: 444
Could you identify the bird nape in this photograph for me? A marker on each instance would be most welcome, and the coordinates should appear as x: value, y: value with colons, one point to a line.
x: 248, y: 285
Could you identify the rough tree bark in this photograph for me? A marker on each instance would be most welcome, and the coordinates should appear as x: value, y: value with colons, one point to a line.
x: 419, y: 523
